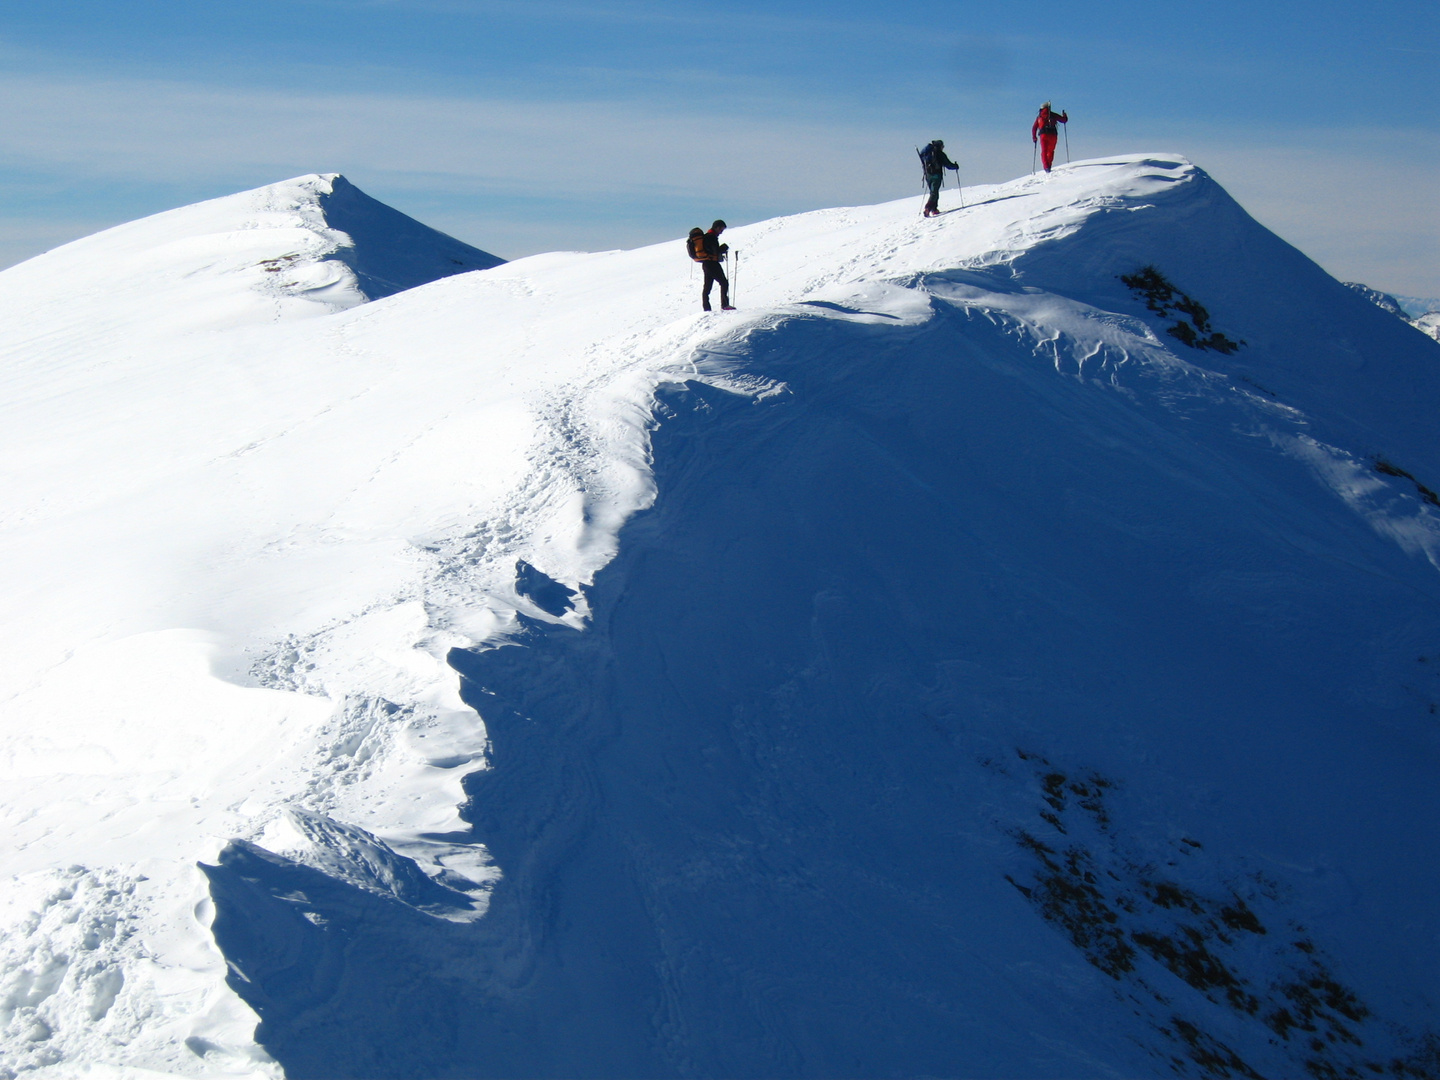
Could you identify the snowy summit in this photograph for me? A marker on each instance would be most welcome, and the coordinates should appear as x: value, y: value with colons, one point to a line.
x: 1009, y: 645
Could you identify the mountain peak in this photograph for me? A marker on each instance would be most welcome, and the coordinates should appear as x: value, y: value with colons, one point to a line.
x: 300, y: 247
x: 388, y: 251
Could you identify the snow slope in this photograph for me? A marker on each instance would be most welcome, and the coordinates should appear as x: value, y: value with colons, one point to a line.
x: 150, y: 538
x: 935, y: 668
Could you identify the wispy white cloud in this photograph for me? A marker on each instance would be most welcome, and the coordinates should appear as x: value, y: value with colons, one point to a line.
x: 828, y: 21
x: 138, y: 130
x: 709, y: 29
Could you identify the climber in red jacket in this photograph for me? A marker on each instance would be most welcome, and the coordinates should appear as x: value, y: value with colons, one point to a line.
x: 1044, y: 127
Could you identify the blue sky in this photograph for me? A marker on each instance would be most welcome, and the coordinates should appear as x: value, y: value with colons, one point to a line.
x: 529, y: 126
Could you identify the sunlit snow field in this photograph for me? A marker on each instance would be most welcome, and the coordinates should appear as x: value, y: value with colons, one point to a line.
x: 472, y: 668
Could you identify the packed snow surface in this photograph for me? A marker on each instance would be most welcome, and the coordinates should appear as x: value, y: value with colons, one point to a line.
x: 959, y: 661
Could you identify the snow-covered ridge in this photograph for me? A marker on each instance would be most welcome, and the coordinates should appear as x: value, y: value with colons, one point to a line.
x: 243, y: 530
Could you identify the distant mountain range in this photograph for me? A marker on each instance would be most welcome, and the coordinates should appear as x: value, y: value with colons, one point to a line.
x: 1422, y: 314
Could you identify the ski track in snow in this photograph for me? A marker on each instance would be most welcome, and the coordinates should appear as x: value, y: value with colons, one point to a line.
x: 249, y: 515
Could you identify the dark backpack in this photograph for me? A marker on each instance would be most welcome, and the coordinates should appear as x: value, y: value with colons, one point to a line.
x: 927, y: 160
x: 695, y: 244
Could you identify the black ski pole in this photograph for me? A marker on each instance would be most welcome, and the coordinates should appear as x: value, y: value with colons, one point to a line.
x: 735, y: 281
x: 1032, y: 157
x: 1067, y: 143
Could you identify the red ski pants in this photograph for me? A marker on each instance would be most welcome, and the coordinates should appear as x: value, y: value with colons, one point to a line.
x: 1047, y: 150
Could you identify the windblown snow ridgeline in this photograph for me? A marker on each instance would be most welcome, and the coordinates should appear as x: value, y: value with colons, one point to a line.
x: 1010, y: 646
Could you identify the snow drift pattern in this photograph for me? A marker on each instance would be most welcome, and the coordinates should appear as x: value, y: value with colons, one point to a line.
x: 943, y: 670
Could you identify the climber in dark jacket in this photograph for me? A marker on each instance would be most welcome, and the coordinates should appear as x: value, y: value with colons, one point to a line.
x: 714, y: 252
x: 934, y: 161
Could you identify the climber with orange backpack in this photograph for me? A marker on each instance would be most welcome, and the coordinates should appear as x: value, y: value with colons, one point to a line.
x: 706, y: 249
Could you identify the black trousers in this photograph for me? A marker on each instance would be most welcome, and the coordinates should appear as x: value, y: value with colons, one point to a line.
x: 933, y: 205
x: 714, y: 273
